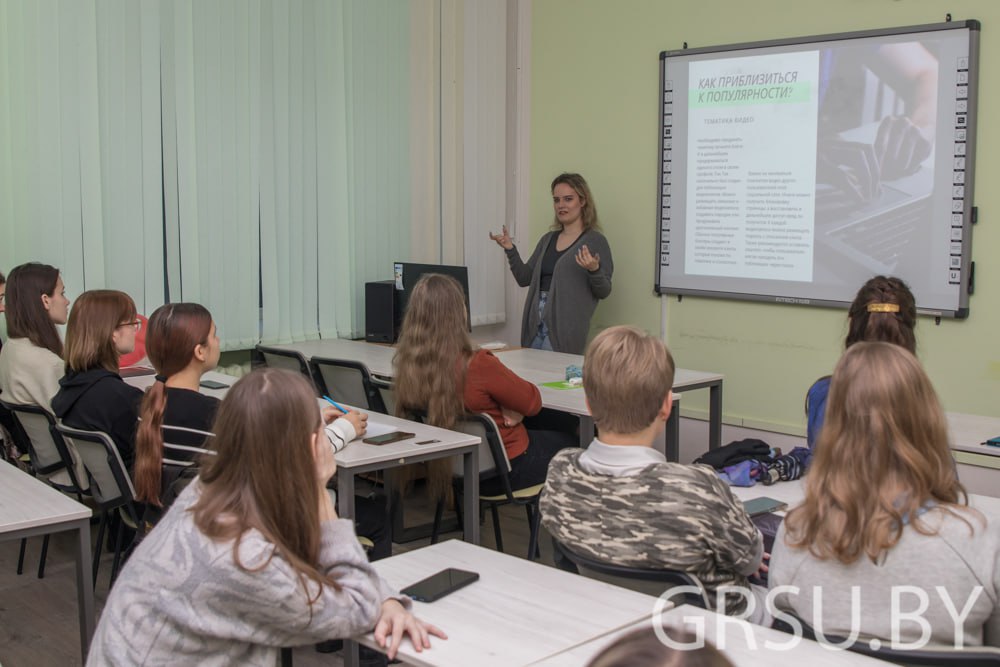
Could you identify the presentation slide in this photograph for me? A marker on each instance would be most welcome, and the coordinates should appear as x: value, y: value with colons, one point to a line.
x: 795, y: 171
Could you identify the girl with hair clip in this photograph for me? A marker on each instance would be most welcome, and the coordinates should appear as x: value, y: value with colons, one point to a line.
x: 92, y: 395
x: 883, y: 310
x: 884, y: 510
x: 31, y: 362
x: 567, y: 274
x: 438, y: 372
x: 182, y: 344
x: 251, y: 556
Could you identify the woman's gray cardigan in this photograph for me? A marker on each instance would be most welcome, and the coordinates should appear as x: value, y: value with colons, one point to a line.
x: 573, y: 294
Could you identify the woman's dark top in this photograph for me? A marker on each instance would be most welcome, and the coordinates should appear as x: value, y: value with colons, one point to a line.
x: 549, y: 260
x: 99, y: 400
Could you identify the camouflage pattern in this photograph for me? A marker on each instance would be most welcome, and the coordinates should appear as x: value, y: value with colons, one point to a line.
x: 669, y: 515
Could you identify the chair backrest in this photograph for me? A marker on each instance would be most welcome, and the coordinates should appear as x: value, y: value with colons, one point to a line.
x: 290, y: 360
x: 663, y: 579
x: 183, y: 446
x: 492, y: 454
x: 386, y: 393
x: 346, y: 381
x: 110, y: 483
x: 977, y: 656
x: 46, y: 447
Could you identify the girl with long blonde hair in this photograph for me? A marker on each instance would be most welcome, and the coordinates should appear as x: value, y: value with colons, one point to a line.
x: 884, y: 510
x: 252, y: 556
x: 440, y: 374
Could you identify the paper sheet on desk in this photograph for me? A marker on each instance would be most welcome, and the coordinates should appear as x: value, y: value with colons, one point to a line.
x: 375, y: 427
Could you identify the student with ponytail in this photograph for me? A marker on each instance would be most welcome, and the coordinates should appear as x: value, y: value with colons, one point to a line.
x: 182, y: 344
x: 884, y: 310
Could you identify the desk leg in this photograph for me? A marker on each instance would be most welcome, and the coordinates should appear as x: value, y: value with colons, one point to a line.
x: 85, y: 587
x: 351, y: 658
x: 470, y: 493
x: 672, y: 434
x: 345, y: 494
x: 586, y: 430
x: 715, y: 416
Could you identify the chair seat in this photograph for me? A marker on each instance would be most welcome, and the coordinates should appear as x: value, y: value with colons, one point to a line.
x: 520, y: 494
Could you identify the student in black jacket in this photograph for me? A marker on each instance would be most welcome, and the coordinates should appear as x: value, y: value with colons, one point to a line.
x: 92, y: 395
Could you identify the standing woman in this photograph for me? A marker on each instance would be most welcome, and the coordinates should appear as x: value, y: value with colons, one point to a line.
x: 182, y: 345
x: 252, y: 556
x: 92, y: 395
x: 31, y: 362
x: 568, y: 273
x: 884, y: 513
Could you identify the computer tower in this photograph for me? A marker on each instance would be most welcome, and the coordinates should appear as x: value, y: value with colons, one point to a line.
x: 382, y: 312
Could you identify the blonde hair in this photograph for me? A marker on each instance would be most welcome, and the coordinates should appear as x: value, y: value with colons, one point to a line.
x: 588, y: 211
x: 432, y: 356
x: 882, y: 456
x: 627, y: 374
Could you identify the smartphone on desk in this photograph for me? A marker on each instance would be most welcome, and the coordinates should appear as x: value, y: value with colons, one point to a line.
x: 763, y: 505
x: 386, y: 438
x: 438, y: 585
x: 212, y: 384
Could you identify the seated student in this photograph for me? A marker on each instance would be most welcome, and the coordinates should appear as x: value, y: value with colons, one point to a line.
x: 92, y: 395
x: 884, y: 510
x: 883, y: 310
x: 182, y: 345
x: 620, y: 501
x: 251, y: 557
x: 438, y: 372
x: 31, y: 362
x: 6, y: 418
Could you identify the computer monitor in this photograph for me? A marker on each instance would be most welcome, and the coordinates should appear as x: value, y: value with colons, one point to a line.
x: 407, y: 274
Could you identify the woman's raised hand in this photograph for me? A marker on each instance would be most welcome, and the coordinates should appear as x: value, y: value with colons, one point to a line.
x: 503, y: 239
x: 591, y: 262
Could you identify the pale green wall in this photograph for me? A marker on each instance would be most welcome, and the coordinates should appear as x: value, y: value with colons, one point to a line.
x: 594, y: 78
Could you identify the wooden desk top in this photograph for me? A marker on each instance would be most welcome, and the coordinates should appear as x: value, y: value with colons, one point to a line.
x: 967, y: 433
x: 26, y: 502
x: 518, y: 612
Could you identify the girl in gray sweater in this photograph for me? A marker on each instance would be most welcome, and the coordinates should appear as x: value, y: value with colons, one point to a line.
x: 252, y: 557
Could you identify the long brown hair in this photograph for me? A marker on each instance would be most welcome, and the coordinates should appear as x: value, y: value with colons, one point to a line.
x: 92, y: 323
x: 26, y: 315
x: 890, y: 325
x: 263, y: 476
x: 643, y: 648
x: 882, y: 456
x: 432, y: 356
x: 588, y: 214
x: 173, y: 332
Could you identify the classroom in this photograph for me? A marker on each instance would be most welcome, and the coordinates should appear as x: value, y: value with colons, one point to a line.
x: 269, y: 159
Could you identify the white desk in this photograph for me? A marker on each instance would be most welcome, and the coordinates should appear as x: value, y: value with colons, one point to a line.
x: 359, y: 457
x: 540, y: 366
x: 741, y: 642
x: 29, y: 507
x: 517, y: 613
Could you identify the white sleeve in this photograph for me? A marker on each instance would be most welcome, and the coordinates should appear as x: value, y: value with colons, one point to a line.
x: 340, y: 432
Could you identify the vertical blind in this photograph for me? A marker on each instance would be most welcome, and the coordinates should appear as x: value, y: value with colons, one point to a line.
x: 262, y: 157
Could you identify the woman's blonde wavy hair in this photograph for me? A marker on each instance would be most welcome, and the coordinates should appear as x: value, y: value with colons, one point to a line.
x: 882, y: 455
x: 431, y: 359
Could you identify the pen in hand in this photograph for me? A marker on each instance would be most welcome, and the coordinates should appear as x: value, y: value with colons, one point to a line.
x: 336, y: 404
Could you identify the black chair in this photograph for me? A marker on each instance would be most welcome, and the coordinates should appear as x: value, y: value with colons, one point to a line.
x: 347, y: 381
x: 978, y: 656
x: 290, y: 360
x: 111, y: 488
x: 494, y: 469
x: 48, y: 454
x: 573, y: 561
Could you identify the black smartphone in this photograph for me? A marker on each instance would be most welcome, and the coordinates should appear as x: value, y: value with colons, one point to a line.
x: 763, y: 505
x: 386, y: 438
x: 438, y: 585
x: 212, y: 384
